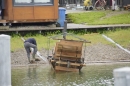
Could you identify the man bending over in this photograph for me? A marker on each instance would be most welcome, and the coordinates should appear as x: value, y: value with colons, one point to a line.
x: 28, y: 44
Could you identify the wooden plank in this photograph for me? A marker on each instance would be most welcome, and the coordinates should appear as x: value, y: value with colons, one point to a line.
x: 3, y: 21
x: 79, y: 44
x: 8, y: 13
x: 65, y: 68
x: 67, y: 55
x: 73, y: 64
x: 25, y: 13
x: 44, y: 12
x: 65, y: 58
x: 56, y: 12
x: 68, y: 48
x: 52, y: 60
x: 2, y: 28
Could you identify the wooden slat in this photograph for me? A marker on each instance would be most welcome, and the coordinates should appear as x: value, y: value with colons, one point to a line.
x: 3, y: 28
x: 23, y: 13
x: 65, y: 68
x: 74, y: 64
x: 52, y: 60
x: 74, y: 56
x: 3, y: 21
x: 67, y: 48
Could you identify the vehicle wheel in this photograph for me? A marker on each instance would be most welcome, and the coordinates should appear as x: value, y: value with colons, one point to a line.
x: 98, y: 6
x: 86, y: 8
x: 91, y: 8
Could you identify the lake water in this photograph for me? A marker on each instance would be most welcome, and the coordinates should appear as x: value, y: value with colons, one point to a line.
x: 44, y: 75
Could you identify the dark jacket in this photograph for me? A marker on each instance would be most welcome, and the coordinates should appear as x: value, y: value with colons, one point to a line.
x: 31, y: 40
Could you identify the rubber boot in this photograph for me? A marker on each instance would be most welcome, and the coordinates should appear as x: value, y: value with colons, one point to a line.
x: 33, y: 58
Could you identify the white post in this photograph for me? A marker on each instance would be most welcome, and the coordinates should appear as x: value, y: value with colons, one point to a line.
x: 5, y: 61
x: 122, y: 76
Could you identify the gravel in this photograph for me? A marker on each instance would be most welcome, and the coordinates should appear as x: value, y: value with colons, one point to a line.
x: 95, y: 53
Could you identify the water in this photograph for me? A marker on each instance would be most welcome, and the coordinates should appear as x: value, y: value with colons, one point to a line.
x: 91, y: 75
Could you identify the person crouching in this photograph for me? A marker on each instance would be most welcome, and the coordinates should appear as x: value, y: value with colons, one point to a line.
x: 28, y: 44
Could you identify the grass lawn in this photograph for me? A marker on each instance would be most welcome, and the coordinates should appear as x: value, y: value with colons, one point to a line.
x: 120, y: 36
x: 100, y: 17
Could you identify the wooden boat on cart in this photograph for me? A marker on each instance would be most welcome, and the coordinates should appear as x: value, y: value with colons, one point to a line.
x: 68, y: 55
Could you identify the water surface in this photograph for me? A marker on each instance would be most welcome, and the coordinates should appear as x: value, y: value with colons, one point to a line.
x: 44, y: 75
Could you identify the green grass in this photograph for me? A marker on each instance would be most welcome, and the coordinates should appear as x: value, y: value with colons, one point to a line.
x: 120, y: 36
x: 16, y: 43
x: 86, y: 17
x: 95, y: 38
x: 42, y: 42
x: 99, y: 18
x: 118, y: 19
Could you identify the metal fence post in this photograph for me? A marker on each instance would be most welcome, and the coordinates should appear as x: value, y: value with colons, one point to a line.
x: 5, y: 61
x: 122, y: 76
x: 65, y: 29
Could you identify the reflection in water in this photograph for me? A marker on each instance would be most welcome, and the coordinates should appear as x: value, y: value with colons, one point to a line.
x: 31, y: 77
x: 91, y: 75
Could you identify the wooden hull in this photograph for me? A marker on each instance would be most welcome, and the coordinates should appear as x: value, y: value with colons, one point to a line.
x: 67, y: 56
x: 66, y: 66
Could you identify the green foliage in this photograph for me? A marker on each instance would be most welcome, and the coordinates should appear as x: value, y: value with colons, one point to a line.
x: 81, y: 32
x: 16, y: 43
x: 117, y: 19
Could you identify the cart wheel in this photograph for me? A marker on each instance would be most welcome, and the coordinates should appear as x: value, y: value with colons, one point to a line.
x: 86, y: 8
x: 91, y: 8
